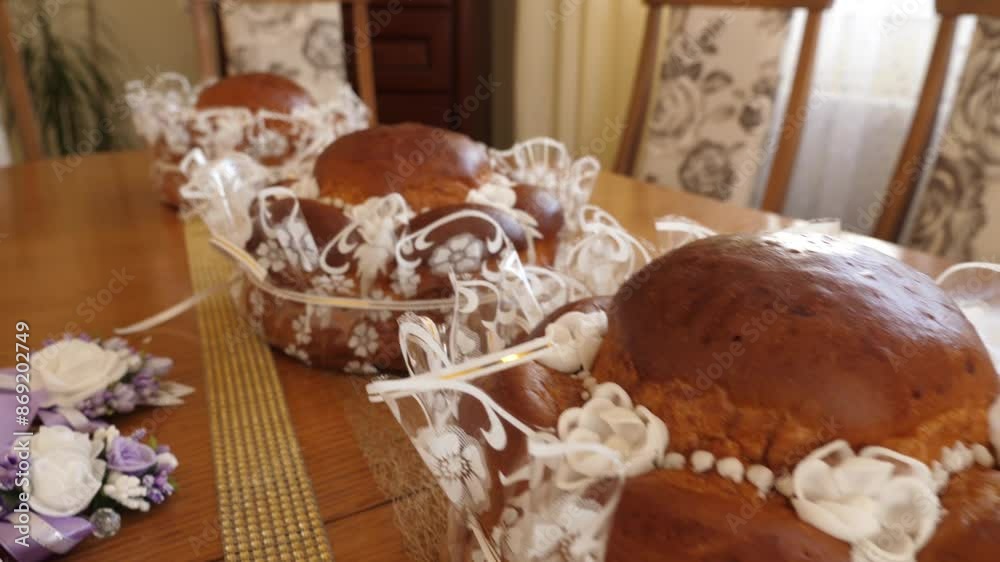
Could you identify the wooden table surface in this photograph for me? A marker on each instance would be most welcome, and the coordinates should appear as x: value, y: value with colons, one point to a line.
x: 69, y: 228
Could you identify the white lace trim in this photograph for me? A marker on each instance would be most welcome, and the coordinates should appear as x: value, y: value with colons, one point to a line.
x: 881, y: 502
x: 166, y: 111
x: 576, y: 337
x: 610, y: 419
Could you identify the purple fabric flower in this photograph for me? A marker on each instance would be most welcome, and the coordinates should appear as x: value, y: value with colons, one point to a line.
x: 158, y: 487
x: 155, y: 496
x: 96, y: 406
x: 8, y: 471
x: 124, y: 398
x: 129, y: 456
x: 146, y: 383
x: 159, y: 365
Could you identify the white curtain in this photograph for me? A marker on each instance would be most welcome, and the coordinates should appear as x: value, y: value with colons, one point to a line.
x: 871, y: 64
x: 573, y: 69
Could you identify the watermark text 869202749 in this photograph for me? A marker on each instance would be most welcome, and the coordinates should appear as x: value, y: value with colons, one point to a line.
x: 22, y: 375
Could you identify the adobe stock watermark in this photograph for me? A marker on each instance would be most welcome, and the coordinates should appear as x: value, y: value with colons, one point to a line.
x: 92, y: 305
x: 901, y: 14
x: 563, y: 12
x: 408, y: 164
x: 485, y: 88
x: 750, y: 332
x: 749, y: 508
x: 916, y: 167
x: 120, y: 111
x: 30, y: 27
x: 610, y: 133
x: 378, y: 20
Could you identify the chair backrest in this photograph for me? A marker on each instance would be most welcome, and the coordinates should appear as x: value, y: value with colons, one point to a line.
x: 791, y: 130
x: 898, y: 199
x: 16, y: 84
x: 206, y: 34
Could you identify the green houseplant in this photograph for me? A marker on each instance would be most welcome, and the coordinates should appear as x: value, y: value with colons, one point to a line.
x: 70, y: 68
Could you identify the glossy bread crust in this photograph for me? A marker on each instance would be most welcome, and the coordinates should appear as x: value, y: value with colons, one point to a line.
x: 429, y: 167
x: 256, y: 92
x: 765, y: 347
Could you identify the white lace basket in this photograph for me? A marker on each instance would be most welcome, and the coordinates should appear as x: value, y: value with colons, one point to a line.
x: 166, y: 117
x: 346, y: 319
x: 500, y: 475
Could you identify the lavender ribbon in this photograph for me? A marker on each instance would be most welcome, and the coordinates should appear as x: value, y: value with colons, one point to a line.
x: 69, y: 417
x: 45, y: 537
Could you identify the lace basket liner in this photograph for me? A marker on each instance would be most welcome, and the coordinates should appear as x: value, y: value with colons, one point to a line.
x: 222, y: 191
x: 521, y: 510
x: 165, y: 116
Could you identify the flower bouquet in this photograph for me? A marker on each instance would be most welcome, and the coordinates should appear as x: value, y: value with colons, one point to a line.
x: 60, y: 486
x: 78, y: 380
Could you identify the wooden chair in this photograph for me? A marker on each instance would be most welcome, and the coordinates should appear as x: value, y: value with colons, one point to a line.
x: 791, y: 131
x: 17, y: 87
x: 899, y: 197
x: 209, y: 60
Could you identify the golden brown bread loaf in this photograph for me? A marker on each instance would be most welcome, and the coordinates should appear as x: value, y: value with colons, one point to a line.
x: 692, y: 516
x: 767, y: 347
x: 751, y: 346
x: 535, y: 395
x: 255, y: 92
x: 430, y: 168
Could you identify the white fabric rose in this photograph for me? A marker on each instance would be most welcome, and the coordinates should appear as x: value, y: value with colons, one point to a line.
x: 65, y: 472
x: 609, y: 419
x: 73, y: 370
x: 881, y: 502
x: 576, y: 337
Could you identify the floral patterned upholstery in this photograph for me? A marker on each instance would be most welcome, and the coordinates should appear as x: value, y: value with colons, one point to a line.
x: 958, y: 212
x: 303, y: 41
x: 712, y: 114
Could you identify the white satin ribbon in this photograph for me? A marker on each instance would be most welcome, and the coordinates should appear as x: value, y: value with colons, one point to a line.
x: 174, y: 311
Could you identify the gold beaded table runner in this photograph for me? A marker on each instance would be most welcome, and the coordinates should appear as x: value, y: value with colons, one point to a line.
x: 267, y: 509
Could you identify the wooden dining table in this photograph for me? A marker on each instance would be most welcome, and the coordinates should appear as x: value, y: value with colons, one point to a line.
x: 86, y: 246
